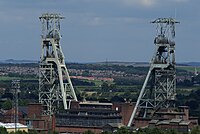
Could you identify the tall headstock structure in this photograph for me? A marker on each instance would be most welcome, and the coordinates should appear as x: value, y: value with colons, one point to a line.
x: 159, y: 88
x: 55, y: 85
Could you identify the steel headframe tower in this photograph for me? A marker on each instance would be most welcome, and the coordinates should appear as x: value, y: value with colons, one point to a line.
x: 55, y: 85
x: 159, y: 88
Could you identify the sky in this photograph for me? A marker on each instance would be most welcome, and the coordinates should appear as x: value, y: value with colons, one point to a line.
x: 99, y: 30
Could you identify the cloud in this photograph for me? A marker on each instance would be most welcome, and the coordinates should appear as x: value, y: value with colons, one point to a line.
x: 180, y: 0
x: 144, y: 3
x: 7, y: 17
x: 95, y: 21
x: 149, y: 3
x: 100, y: 21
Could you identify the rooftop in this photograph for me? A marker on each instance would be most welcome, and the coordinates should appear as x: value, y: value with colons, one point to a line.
x: 175, y: 120
x: 12, y: 125
x: 94, y: 103
x: 184, y: 122
x: 116, y: 125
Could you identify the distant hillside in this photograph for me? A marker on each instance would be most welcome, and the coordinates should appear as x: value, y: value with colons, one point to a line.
x: 124, y: 63
x: 13, y: 61
x: 147, y: 63
x: 191, y: 63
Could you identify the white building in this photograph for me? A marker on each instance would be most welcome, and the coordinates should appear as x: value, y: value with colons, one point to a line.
x: 10, y: 127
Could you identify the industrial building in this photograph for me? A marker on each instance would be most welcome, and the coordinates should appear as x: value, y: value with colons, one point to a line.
x: 98, y: 117
x: 178, y: 119
x: 81, y: 117
x: 92, y: 116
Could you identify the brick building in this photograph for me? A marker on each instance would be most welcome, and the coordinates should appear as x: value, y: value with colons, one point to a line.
x: 81, y: 117
x: 8, y: 116
x: 92, y: 116
x: 96, y: 116
x: 36, y: 121
x: 177, y: 119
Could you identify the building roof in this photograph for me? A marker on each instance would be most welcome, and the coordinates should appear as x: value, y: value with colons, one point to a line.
x: 12, y: 125
x: 153, y: 121
x: 90, y: 116
x: 178, y: 121
x: 164, y: 122
x: 185, y: 123
x: 170, y: 113
x: 89, y: 111
x: 142, y: 119
x: 23, y: 109
x: 94, y: 103
x: 175, y: 120
x: 192, y: 117
x: 183, y: 107
x: 115, y: 125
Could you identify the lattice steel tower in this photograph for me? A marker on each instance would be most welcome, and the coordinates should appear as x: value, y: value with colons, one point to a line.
x: 55, y: 85
x: 15, y: 91
x: 159, y: 88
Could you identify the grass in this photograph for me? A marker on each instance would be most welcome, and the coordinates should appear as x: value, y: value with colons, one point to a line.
x: 82, y: 88
x: 4, y: 78
x: 8, y: 78
x: 189, y: 68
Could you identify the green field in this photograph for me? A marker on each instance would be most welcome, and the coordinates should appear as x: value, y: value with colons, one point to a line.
x: 8, y: 78
x: 189, y: 68
x: 5, y: 78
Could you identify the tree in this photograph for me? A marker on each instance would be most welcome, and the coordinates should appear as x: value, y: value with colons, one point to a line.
x: 193, y: 104
x: 86, y: 73
x: 106, y: 132
x: 172, y: 131
x: 127, y: 95
x: 7, y: 105
x: 155, y: 131
x: 33, y: 132
x: 88, y: 132
x: 195, y: 130
x: 19, y: 132
x: 122, y: 130
x: 3, y: 130
x: 54, y: 132
x: 117, y: 99
x: 105, y: 87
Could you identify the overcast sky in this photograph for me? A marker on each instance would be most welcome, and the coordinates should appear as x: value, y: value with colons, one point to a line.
x: 99, y: 30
